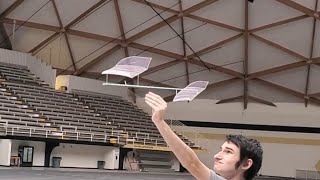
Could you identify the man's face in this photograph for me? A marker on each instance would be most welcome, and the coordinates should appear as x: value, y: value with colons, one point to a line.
x: 225, y: 160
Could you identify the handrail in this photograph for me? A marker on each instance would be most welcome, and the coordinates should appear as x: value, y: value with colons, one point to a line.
x: 4, y: 121
x: 67, y: 126
x: 141, y: 133
x: 129, y: 163
x: 307, y: 174
x: 187, y: 132
x: 36, y: 131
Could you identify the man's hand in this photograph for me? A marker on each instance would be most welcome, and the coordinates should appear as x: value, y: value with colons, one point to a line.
x: 158, y: 105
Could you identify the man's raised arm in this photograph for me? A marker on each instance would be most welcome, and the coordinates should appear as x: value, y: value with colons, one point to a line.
x: 184, y: 153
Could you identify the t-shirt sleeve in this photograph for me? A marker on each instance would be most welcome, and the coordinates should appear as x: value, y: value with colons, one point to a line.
x: 214, y: 176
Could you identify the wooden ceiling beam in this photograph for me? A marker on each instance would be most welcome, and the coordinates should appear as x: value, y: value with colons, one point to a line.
x: 276, y: 69
x: 96, y: 60
x: 32, y: 25
x: 316, y: 60
x: 258, y: 100
x: 184, y: 43
x: 246, y: 56
x: 93, y: 36
x: 278, y: 23
x: 84, y: 14
x: 216, y: 45
x: 217, y: 68
x: 11, y: 8
x: 123, y: 35
x: 160, y: 52
x: 160, y: 67
x: 157, y: 6
x: 198, y: 6
x: 314, y: 100
x: 57, y: 13
x: 120, y: 23
x: 133, y: 45
x: 192, y: 60
x: 306, y: 92
x: 65, y: 35
x: 314, y: 94
x: 228, y: 100
x: 262, y: 101
x: 300, y: 8
x: 129, y: 41
x: 152, y: 29
x: 289, y: 91
x: 279, y: 47
x: 190, y: 16
x: 70, y: 51
x: 156, y: 51
x: 281, y: 88
x: 169, y: 20
x: 222, y: 83
x: 216, y: 23
x: 34, y: 50
x: 7, y: 11
x: 68, y: 26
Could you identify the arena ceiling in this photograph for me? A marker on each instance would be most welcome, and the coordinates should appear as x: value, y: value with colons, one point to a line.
x: 262, y: 51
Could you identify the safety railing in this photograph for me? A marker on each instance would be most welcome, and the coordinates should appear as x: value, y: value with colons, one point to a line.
x: 307, y: 175
x: 11, y: 130
x: 198, y: 140
x: 146, y: 140
x: 191, y: 137
x: 62, y: 127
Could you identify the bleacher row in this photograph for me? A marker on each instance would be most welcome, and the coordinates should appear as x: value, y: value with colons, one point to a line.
x: 30, y: 107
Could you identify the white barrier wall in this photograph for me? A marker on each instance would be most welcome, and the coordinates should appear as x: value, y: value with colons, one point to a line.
x: 90, y: 85
x: 5, y: 152
x: 39, y: 150
x: 13, y: 57
x: 286, y: 114
x: 112, y: 158
x: 62, y: 81
x: 86, y: 156
x: 41, y: 70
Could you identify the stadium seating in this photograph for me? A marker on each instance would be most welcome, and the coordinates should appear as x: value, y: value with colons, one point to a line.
x: 30, y: 106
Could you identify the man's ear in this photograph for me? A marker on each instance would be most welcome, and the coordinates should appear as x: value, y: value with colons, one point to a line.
x: 246, y: 164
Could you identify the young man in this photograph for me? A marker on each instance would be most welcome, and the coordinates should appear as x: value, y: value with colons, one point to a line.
x: 239, y: 158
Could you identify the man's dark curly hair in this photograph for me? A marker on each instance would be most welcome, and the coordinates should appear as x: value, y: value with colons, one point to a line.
x: 249, y: 149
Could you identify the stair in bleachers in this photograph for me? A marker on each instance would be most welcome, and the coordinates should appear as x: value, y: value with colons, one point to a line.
x: 17, y: 112
x: 154, y: 161
x: 15, y: 73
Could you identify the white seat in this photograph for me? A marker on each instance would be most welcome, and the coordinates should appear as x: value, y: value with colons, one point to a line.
x: 130, y: 66
x: 191, y: 91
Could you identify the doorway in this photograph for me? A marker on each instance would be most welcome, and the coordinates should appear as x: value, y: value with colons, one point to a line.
x: 26, y: 155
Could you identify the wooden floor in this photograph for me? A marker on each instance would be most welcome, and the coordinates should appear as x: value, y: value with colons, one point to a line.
x: 83, y: 174
x: 23, y: 173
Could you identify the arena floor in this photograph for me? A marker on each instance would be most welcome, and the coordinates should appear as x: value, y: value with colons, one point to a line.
x: 83, y: 174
